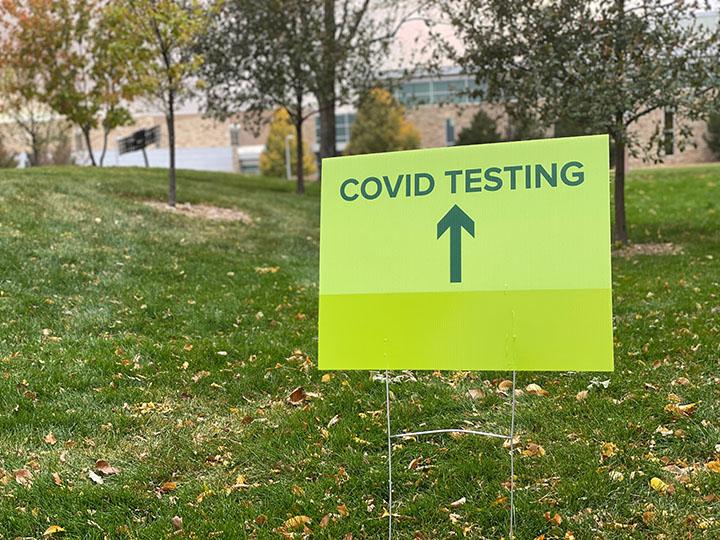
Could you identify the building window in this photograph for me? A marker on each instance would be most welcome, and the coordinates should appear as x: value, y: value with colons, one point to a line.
x: 343, y: 123
x: 453, y: 90
x: 669, y: 132
x: 234, y: 135
x: 449, y: 132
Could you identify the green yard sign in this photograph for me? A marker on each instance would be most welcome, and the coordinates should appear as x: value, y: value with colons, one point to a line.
x: 487, y: 257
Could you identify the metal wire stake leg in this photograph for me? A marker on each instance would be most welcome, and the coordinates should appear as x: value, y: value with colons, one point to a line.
x: 512, y: 462
x: 389, y: 450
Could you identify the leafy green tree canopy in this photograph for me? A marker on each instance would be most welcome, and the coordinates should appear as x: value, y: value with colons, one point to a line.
x: 481, y: 130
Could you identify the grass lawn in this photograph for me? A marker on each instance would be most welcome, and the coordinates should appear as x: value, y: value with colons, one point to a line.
x: 168, y: 346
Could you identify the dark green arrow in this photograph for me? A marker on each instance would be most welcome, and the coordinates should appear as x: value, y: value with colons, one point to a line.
x: 455, y: 220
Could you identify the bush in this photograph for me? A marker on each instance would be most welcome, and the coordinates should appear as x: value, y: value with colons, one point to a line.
x: 380, y: 126
x: 713, y: 133
x: 272, y: 159
x: 481, y: 130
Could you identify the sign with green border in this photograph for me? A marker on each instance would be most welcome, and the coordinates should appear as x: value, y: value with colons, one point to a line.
x: 483, y: 257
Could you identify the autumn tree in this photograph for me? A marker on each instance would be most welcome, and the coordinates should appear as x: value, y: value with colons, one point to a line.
x: 380, y: 125
x: 257, y: 58
x: 272, y: 159
x: 602, y: 64
x: 164, y: 33
x: 62, y: 54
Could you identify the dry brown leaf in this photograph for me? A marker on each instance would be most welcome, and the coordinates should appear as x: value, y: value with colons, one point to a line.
x: 261, y: 519
x: 342, y: 510
x: 686, y: 409
x: 459, y: 502
x: 476, y: 393
x: 533, y: 450
x: 166, y: 487
x: 554, y: 519
x: 23, y: 477
x: 267, y: 269
x: 536, y: 390
x: 326, y: 378
x: 56, y: 479
x: 581, y: 395
x: 297, y: 396
x: 177, y: 523
x: 505, y: 386
x: 50, y: 438
x: 105, y: 468
x: 324, y: 521
x: 714, y: 466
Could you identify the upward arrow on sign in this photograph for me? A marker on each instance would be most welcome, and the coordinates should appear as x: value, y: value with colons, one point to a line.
x: 455, y: 220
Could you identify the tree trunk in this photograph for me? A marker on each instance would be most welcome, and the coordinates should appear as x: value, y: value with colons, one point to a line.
x: 620, y: 232
x: 88, y: 144
x: 299, y: 152
x: 106, y: 133
x: 326, y: 91
x: 171, y: 143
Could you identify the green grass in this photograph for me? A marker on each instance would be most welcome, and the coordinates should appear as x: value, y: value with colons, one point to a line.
x: 150, y: 340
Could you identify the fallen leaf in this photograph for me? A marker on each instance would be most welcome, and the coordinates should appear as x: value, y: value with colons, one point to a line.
x: 295, y: 522
x: 714, y: 466
x: 56, y: 479
x: 505, y: 386
x: 95, y: 477
x: 459, y: 502
x: 681, y: 410
x: 200, y: 375
x: 105, y: 468
x: 166, y: 487
x: 297, y: 396
x: 326, y: 378
x: 261, y: 519
x: 556, y: 519
x: 267, y: 269
x: 536, y: 390
x: 50, y: 438
x: 23, y: 477
x: 581, y: 395
x: 53, y: 529
x: 342, y: 509
x: 658, y: 485
x: 177, y: 523
x: 533, y: 450
x: 608, y: 450
x: 476, y: 393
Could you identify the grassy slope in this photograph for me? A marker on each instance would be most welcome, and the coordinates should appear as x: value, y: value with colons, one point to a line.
x: 101, y: 299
